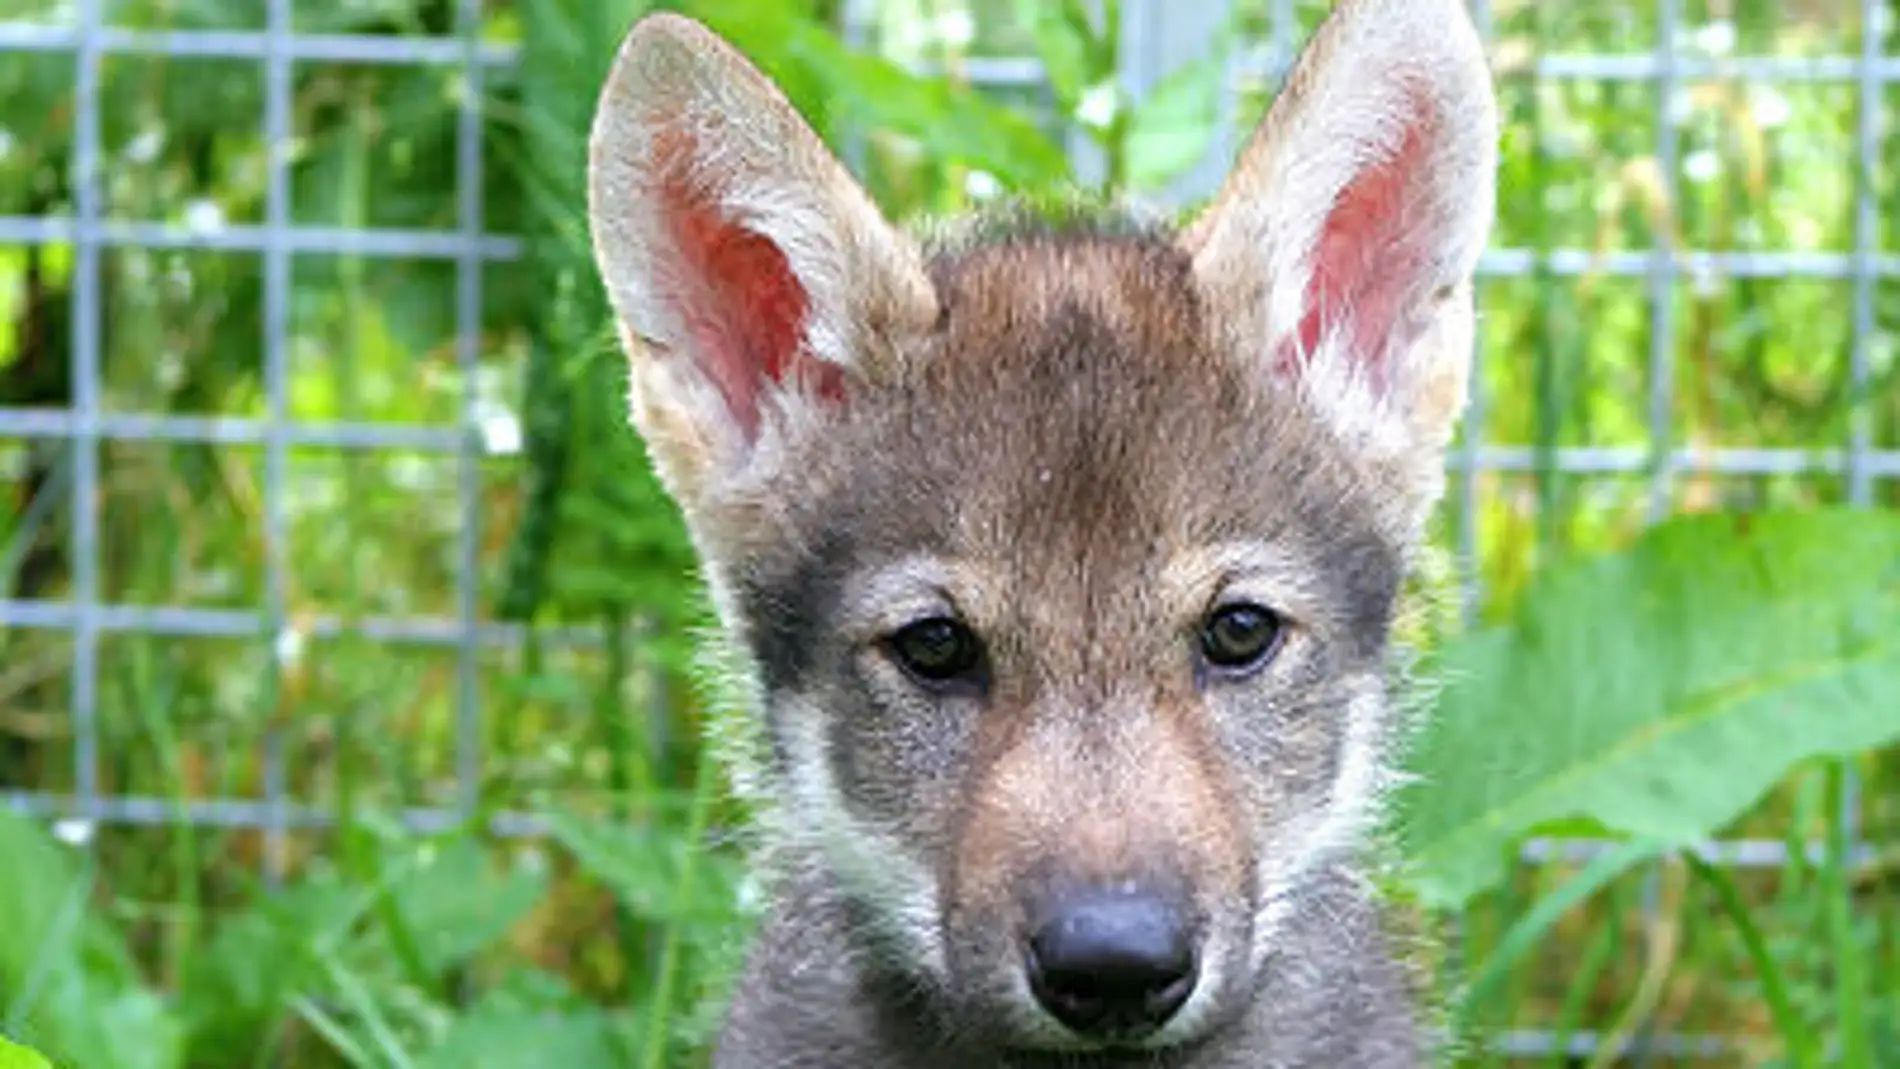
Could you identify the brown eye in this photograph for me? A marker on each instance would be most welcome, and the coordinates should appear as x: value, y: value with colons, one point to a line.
x: 937, y: 650
x: 1241, y: 637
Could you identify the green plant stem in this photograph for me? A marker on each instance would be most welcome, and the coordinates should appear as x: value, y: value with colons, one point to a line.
x: 705, y: 794
x: 1794, y: 1032
x: 157, y: 709
x: 1598, y: 954
x: 1665, y: 937
x: 1850, y: 990
x: 1523, y: 936
x: 617, y: 741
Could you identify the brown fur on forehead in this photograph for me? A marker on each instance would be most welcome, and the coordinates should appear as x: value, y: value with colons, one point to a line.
x: 1020, y: 222
x: 1069, y: 428
x: 1028, y: 290
x: 1085, y: 407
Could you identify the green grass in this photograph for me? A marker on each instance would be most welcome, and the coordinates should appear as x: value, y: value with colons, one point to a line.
x: 607, y: 939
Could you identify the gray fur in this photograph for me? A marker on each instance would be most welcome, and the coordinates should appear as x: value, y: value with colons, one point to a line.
x: 1078, y: 436
x: 818, y: 994
x: 1135, y: 451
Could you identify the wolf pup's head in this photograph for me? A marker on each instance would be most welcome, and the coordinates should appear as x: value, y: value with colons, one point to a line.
x: 1062, y: 558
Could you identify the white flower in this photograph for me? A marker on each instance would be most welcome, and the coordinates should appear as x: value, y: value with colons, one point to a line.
x: 1702, y: 165
x: 500, y: 428
x: 1099, y: 106
x: 956, y: 29
x: 1717, y: 38
x: 73, y: 831
x: 289, y: 646
x: 981, y: 185
x: 204, y: 216
x: 145, y: 147
x: 1769, y: 106
x: 495, y: 421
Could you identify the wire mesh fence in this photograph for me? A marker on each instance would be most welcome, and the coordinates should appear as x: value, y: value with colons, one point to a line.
x: 1158, y: 39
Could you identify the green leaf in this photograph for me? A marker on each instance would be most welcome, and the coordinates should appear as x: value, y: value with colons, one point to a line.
x: 1768, y: 970
x: 14, y: 1056
x: 1659, y: 692
x: 132, y: 1028
x: 840, y: 88
x: 68, y: 983
x: 237, y: 984
x: 1175, y: 123
x: 502, y: 1033
x: 1529, y: 930
x: 643, y: 866
x: 455, y: 904
x: 1065, y: 44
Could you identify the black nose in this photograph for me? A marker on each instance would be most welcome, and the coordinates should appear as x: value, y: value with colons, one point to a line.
x: 1112, y: 965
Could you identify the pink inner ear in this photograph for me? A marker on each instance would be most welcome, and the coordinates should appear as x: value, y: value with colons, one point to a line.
x: 743, y: 305
x: 1374, y: 250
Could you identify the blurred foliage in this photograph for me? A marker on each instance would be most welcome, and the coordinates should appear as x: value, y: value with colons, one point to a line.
x: 381, y: 940
x: 1673, y: 685
x: 14, y: 1056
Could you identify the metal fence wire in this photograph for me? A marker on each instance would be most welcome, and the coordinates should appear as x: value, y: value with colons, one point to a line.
x: 1158, y: 36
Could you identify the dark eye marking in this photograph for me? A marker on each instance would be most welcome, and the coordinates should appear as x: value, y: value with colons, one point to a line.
x: 940, y: 653
x: 1238, y: 639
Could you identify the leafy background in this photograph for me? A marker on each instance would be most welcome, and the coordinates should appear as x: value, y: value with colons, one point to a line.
x: 1642, y: 687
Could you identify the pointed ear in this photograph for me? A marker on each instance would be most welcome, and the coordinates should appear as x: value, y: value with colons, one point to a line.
x: 1342, y: 245
x: 751, y: 276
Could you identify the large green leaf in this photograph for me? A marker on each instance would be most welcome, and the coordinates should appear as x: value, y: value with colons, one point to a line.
x: 531, y: 1019
x: 841, y: 88
x: 14, y: 1056
x: 648, y: 868
x: 1066, y: 42
x: 68, y: 983
x: 1659, y: 692
x: 240, y: 980
x: 1173, y: 127
x: 458, y: 903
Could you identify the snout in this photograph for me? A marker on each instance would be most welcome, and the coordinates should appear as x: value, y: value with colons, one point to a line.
x: 1112, y: 965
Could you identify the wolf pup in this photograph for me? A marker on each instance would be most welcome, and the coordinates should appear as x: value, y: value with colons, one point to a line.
x: 1057, y: 559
